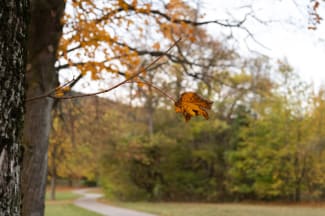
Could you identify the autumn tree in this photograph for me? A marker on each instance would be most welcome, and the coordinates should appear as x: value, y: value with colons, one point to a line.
x: 95, y: 39
x: 13, y: 19
x: 60, y: 143
x: 72, y: 155
x: 44, y: 35
x: 98, y: 36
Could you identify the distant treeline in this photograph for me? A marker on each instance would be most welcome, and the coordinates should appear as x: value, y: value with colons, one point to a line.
x: 270, y: 149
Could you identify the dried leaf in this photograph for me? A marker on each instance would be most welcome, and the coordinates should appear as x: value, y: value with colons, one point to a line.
x: 191, y: 104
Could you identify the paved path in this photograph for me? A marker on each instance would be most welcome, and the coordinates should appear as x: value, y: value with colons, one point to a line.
x: 88, y: 201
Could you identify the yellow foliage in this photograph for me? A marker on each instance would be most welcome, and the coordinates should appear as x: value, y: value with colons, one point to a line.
x: 191, y: 104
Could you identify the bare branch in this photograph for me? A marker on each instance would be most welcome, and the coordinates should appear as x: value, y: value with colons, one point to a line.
x: 194, y: 23
x: 49, y: 94
x: 156, y: 88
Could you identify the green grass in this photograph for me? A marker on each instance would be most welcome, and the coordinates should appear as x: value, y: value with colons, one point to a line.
x: 63, y: 205
x: 63, y: 195
x: 66, y: 210
x: 181, y: 209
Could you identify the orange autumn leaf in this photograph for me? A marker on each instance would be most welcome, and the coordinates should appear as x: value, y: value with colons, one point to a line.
x: 191, y: 104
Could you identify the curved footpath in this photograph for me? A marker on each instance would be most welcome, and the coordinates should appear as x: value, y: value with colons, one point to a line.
x: 89, y: 201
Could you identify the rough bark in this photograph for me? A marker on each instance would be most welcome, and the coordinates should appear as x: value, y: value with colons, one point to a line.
x: 44, y: 35
x: 13, y: 24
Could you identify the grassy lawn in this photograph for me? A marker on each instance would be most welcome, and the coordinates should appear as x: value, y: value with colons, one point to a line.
x: 66, y: 209
x: 62, y: 196
x: 63, y: 205
x: 181, y: 209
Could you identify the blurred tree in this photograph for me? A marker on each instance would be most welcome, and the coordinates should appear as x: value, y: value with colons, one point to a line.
x: 255, y: 163
x: 315, y: 151
x: 44, y: 35
x: 62, y: 143
x: 276, y: 156
x: 270, y: 147
x: 72, y: 150
x: 99, y: 36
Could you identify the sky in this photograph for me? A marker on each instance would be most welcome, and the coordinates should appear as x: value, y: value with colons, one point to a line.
x: 281, y: 32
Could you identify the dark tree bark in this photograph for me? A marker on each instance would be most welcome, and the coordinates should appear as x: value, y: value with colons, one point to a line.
x: 13, y: 32
x: 44, y: 34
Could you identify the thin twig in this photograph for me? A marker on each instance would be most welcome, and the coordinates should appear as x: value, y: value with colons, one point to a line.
x: 156, y: 88
x: 49, y: 94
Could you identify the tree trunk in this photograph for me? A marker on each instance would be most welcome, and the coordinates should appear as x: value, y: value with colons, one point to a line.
x: 13, y: 22
x: 297, y: 197
x: 45, y: 32
x: 53, y: 172
x: 150, y: 107
x: 53, y: 186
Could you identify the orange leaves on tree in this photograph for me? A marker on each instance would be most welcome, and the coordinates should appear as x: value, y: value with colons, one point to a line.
x: 134, y: 3
x: 156, y: 46
x: 123, y: 5
x: 145, y: 9
x: 175, y: 4
x: 92, y: 36
x: 167, y: 30
x: 182, y: 29
x: 140, y: 83
x: 60, y: 91
x: 191, y: 104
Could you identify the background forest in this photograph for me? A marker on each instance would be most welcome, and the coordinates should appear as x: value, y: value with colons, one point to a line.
x: 167, y: 100
x: 264, y: 139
